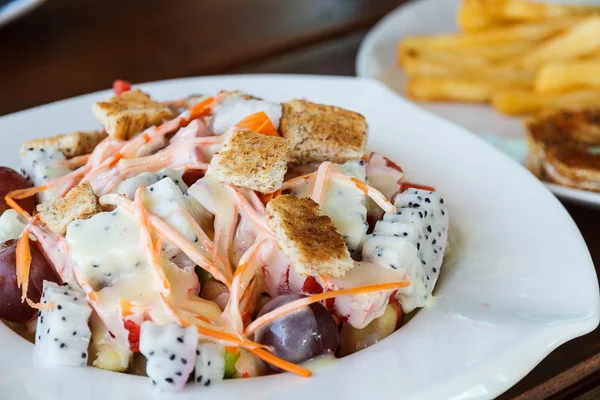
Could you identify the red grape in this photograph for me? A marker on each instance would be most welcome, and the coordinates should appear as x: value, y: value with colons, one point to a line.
x: 12, y: 180
x: 11, y: 307
x: 299, y: 336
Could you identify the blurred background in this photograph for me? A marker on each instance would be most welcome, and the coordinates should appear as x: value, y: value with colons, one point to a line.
x: 55, y: 49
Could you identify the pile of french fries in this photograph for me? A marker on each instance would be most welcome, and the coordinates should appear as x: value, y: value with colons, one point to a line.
x: 523, y: 57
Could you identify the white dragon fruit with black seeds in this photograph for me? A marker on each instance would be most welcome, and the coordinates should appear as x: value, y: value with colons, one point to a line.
x: 171, y: 354
x: 210, y: 363
x: 129, y: 186
x: 62, y: 333
x: 413, y: 239
x: 41, y: 166
x: 345, y: 205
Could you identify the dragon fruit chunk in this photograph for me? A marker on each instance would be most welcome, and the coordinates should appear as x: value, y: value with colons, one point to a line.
x: 171, y: 351
x: 43, y: 165
x: 412, y: 240
x: 210, y: 363
x: 62, y: 333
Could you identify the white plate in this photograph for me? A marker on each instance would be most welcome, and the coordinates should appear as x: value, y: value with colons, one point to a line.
x: 16, y: 8
x: 519, y: 283
x: 377, y: 60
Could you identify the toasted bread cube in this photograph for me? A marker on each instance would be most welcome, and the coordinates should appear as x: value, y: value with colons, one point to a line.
x: 307, y: 237
x: 70, y: 144
x: 320, y: 133
x: 79, y: 203
x: 129, y: 113
x: 251, y: 160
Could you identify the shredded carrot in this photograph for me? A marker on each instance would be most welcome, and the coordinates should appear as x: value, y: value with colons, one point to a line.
x: 370, y: 191
x: 244, y: 272
x: 202, y: 109
x: 41, y: 306
x: 297, y: 304
x: 361, y: 185
x: 15, y: 206
x: 232, y: 350
x: 250, y: 212
x: 318, y: 189
x: 258, y: 122
x: 295, y: 182
x: 146, y: 238
x: 76, y: 161
x: 280, y: 363
x: 23, y: 263
x: 266, y: 198
x: 125, y: 307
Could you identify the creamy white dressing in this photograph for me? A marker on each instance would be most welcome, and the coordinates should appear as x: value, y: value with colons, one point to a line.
x: 231, y: 111
x: 43, y: 165
x: 12, y: 224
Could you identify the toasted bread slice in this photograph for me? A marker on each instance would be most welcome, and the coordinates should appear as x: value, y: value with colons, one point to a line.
x: 129, y: 113
x: 323, y: 133
x: 70, y: 144
x: 573, y: 167
x: 580, y: 126
x: 307, y: 237
x: 558, y: 147
x: 251, y: 160
x: 79, y: 203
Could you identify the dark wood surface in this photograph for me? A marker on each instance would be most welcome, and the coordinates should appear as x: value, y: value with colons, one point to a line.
x: 70, y: 47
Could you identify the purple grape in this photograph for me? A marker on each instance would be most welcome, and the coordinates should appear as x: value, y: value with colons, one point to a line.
x: 299, y: 336
x: 11, y: 307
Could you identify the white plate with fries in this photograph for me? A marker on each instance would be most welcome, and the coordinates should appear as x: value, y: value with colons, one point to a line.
x: 495, y: 73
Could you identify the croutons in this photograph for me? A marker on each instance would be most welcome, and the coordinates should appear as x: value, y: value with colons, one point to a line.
x: 129, y: 113
x: 70, y: 144
x: 251, y: 160
x: 307, y: 237
x: 320, y: 133
x: 79, y: 203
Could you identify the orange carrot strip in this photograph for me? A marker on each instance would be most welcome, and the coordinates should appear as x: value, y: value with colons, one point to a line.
x: 125, y: 307
x: 318, y: 188
x: 15, y: 206
x: 76, y: 161
x: 278, y: 362
x: 258, y: 122
x: 265, y: 198
x: 246, y: 269
x: 202, y: 109
x: 23, y: 263
x: 297, y: 304
x: 373, y: 193
x: 294, y: 182
x: 250, y: 212
x: 232, y: 350
x: 146, y: 237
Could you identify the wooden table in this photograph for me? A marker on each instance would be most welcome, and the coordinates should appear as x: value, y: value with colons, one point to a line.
x: 70, y: 47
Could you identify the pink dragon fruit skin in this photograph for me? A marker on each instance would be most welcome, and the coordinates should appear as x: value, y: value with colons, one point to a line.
x: 171, y: 354
x: 62, y: 333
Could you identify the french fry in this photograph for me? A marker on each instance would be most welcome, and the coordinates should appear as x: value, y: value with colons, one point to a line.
x: 424, y: 67
x: 520, y: 101
x: 473, y: 19
x: 565, y: 76
x: 582, y: 39
x: 453, y: 89
x: 524, y: 11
